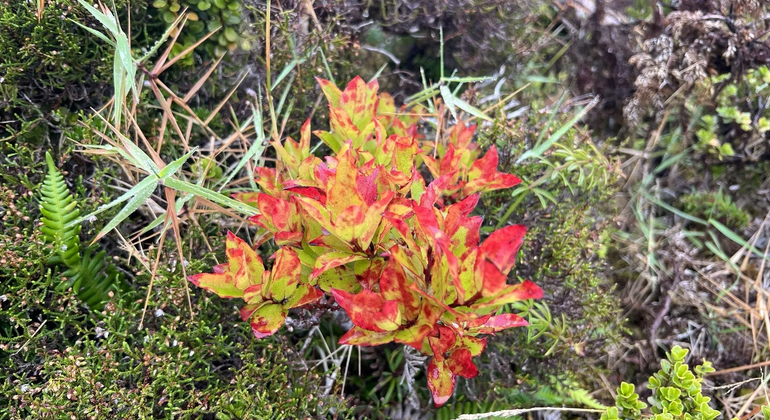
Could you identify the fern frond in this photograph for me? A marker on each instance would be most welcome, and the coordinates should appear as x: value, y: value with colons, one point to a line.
x: 95, y: 280
x: 91, y: 277
x: 58, y: 208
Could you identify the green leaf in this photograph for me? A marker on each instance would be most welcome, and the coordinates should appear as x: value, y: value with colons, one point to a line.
x: 138, y: 156
x: 58, y: 208
x: 209, y: 195
x: 161, y: 40
x: 542, y: 79
x: 539, y: 149
x: 256, y: 149
x: 118, y: 79
x: 465, y: 106
x: 107, y: 21
x: 141, y: 195
x: 626, y: 389
x: 286, y: 70
x: 449, y: 99
x: 674, y: 210
x: 98, y: 34
x: 378, y: 73
x: 329, y: 73
x: 180, y: 202
x: 735, y: 238
x: 148, y: 183
x: 466, y: 79
x: 174, y: 166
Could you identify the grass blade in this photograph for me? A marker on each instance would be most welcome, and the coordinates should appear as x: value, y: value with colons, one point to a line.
x: 209, y: 195
x: 108, y: 22
x: 449, y: 100
x: 379, y: 72
x: 465, y: 106
x: 174, y: 166
x: 149, y: 182
x: 140, y: 196
x: 538, y: 150
x: 98, y: 34
x: 675, y: 210
x: 735, y: 238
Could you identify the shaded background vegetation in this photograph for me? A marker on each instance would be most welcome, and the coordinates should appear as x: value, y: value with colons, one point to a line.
x: 640, y: 216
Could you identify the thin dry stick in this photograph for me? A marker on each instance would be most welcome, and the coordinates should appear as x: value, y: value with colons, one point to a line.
x: 345, y: 375
x: 740, y: 368
x: 30, y: 338
x: 171, y: 209
x: 166, y: 108
x: 748, y: 402
x: 215, y: 111
x: 162, y: 59
x: 187, y: 50
x: 154, y: 268
x: 501, y: 102
x: 199, y: 84
x: 267, y: 44
x: 518, y: 412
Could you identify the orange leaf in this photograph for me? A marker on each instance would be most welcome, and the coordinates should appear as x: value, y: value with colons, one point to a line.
x: 285, y: 275
x: 369, y: 310
x: 333, y: 259
x: 267, y: 320
x: 441, y: 382
x: 358, y: 336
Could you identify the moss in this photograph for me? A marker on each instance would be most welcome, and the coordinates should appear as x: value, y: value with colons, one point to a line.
x: 65, y: 361
x: 569, y: 225
x: 715, y: 205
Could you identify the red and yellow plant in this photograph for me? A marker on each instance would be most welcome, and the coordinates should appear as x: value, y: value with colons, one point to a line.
x: 402, y: 258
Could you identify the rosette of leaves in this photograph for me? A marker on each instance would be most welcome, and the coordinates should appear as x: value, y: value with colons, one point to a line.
x: 205, y: 16
x: 676, y: 393
x: 400, y: 256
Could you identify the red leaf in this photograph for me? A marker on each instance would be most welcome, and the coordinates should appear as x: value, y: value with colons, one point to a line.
x: 461, y: 135
x: 369, y: 310
x: 441, y: 382
x: 434, y: 190
x: 522, y: 291
x: 395, y: 286
x: 358, y: 336
x: 267, y: 320
x: 501, y: 322
x: 483, y: 175
x: 493, y: 280
x: 331, y: 91
x: 304, y: 295
x: 333, y: 259
x: 442, y: 342
x: 461, y: 363
x: 502, y: 246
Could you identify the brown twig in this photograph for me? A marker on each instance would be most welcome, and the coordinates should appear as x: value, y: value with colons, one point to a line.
x: 664, y: 310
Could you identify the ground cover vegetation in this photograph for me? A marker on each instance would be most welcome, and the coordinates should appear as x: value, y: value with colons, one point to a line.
x: 384, y: 209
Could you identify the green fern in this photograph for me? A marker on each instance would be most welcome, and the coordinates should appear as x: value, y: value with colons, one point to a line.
x: 561, y: 392
x: 59, y: 208
x: 96, y: 280
x: 90, y: 277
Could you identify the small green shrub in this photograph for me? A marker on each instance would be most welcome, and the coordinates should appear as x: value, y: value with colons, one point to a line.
x: 563, y: 198
x: 52, y: 62
x: 203, y: 17
x: 717, y: 205
x: 676, y: 393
